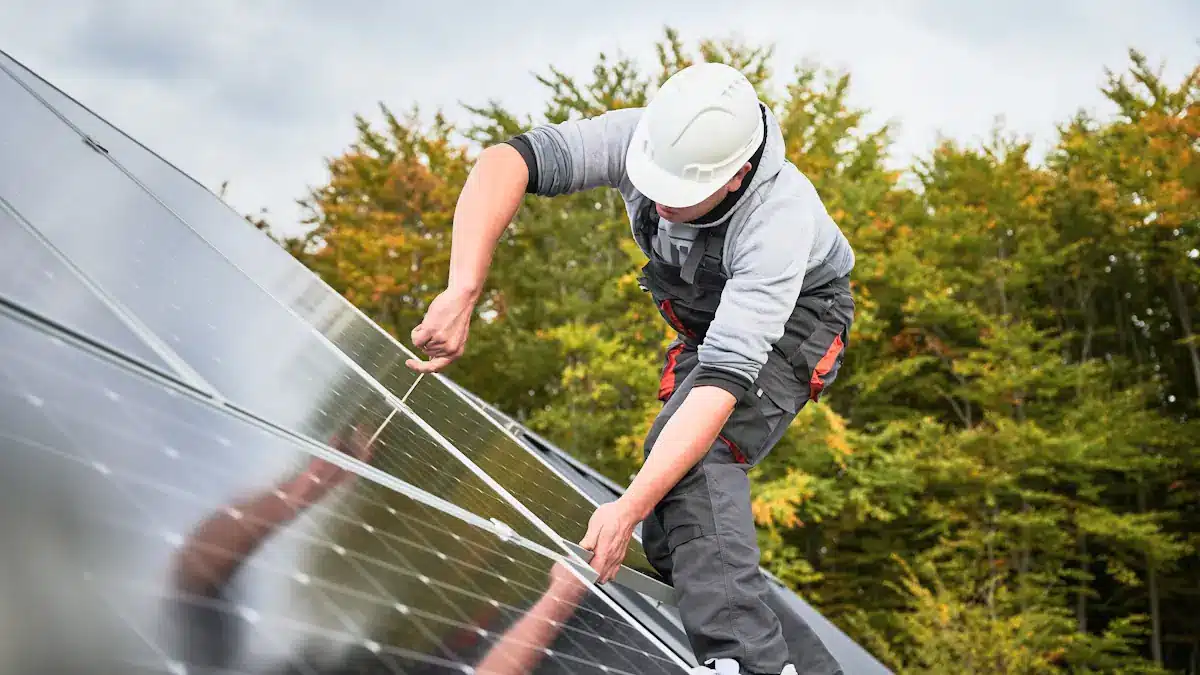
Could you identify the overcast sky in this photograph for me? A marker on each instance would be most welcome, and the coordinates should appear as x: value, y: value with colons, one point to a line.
x: 260, y: 93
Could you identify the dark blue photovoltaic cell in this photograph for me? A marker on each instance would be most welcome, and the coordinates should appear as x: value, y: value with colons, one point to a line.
x: 32, y: 277
x: 147, y: 531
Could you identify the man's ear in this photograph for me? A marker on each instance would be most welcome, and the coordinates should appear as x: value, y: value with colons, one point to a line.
x: 735, y: 183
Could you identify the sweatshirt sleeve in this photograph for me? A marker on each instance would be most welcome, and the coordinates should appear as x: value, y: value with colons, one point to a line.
x: 767, y: 266
x: 578, y: 155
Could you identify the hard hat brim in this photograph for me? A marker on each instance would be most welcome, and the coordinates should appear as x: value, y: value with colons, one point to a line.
x: 665, y: 188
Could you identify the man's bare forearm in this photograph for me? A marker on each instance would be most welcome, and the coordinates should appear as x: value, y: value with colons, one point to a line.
x: 684, y: 440
x: 222, y: 543
x: 488, y: 202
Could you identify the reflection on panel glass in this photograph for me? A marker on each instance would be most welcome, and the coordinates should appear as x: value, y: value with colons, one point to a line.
x: 34, y: 279
x: 252, y: 251
x: 351, y: 332
x: 549, y: 496
x: 175, y: 189
x: 146, y: 531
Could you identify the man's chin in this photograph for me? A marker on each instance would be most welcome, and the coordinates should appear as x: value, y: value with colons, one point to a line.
x: 668, y: 214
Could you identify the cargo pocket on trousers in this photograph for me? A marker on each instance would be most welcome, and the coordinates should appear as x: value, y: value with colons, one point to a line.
x: 764, y: 413
x: 682, y: 534
x: 688, y: 516
x: 820, y: 356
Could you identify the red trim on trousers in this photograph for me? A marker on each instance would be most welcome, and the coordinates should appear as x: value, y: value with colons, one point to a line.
x: 666, y: 386
x: 734, y: 450
x: 669, y: 311
x: 817, y: 383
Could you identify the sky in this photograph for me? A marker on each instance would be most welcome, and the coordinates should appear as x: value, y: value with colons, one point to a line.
x: 260, y: 94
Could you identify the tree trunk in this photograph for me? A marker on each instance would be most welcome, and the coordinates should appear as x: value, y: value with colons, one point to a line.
x: 1155, y: 618
x: 1026, y: 556
x: 1185, y: 322
x: 1122, y: 342
x: 1087, y: 309
x: 1152, y: 588
x: 1081, y: 599
x: 991, y: 556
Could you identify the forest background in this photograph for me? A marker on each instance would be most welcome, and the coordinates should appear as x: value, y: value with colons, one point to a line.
x: 1006, y: 476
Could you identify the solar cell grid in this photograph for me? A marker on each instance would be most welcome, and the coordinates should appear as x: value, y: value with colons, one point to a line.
x: 235, y: 335
x: 179, y: 192
x: 193, y: 524
x: 546, y: 493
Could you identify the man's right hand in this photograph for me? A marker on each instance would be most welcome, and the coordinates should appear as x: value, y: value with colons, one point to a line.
x: 442, y: 335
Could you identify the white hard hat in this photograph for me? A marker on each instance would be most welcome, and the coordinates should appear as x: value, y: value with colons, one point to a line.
x: 698, y: 130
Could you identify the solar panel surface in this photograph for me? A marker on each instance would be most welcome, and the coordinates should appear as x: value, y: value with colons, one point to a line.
x: 246, y: 346
x: 502, y: 461
x: 554, y: 500
x: 192, y: 538
x: 33, y: 277
x: 194, y: 534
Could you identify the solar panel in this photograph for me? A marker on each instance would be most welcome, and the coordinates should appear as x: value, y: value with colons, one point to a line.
x: 34, y: 277
x: 182, y: 536
x: 554, y: 500
x: 243, y: 344
x: 522, y: 477
x: 250, y: 251
x: 155, y: 492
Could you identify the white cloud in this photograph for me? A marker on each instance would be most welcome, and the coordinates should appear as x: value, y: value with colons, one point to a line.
x: 260, y: 93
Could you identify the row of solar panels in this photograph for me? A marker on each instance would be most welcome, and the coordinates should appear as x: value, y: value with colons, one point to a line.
x: 212, y: 461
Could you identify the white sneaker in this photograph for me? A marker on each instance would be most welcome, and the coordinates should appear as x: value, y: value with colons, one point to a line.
x: 729, y: 667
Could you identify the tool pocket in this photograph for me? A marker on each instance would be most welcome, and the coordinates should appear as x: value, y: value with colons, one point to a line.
x: 681, y: 534
x: 685, y: 513
x: 764, y: 413
x: 813, y: 346
x: 818, y: 359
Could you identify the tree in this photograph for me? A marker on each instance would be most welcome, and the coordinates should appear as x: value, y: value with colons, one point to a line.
x: 1004, y: 478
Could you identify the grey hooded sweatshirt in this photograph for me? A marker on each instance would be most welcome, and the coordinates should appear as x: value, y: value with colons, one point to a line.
x: 780, y: 238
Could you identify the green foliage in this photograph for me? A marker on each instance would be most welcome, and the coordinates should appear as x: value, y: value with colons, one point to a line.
x: 947, y: 631
x: 1005, y: 477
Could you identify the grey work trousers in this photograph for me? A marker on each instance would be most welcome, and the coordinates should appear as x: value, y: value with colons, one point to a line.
x: 701, y: 536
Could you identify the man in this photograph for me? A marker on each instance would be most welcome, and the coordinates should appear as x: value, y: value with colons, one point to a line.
x: 752, y: 273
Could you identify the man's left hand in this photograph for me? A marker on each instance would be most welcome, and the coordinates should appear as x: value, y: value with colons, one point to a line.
x: 608, y: 535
